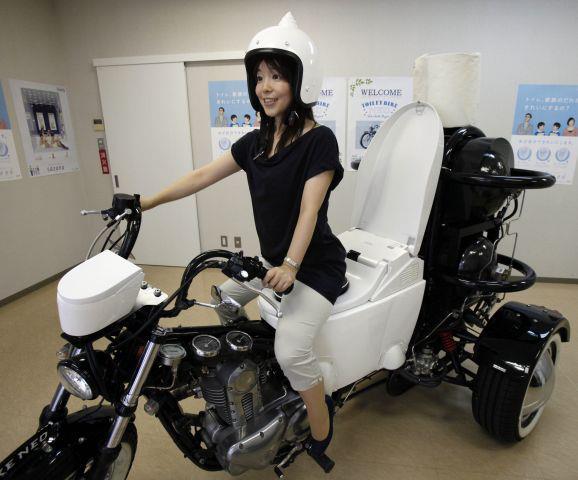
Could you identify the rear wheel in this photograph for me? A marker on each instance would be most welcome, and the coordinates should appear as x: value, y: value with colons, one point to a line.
x: 510, y: 408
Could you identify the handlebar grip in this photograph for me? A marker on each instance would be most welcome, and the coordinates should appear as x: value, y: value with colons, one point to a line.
x: 288, y: 291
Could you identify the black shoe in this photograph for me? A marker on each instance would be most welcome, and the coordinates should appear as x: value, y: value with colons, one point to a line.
x: 318, y: 447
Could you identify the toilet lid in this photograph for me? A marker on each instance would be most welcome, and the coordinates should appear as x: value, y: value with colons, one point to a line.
x: 397, y: 177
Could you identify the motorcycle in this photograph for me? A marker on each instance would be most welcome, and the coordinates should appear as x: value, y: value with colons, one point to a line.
x: 423, y: 277
x: 367, y: 136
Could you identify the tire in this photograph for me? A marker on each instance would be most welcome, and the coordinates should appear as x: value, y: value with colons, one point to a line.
x: 510, y: 408
x: 120, y: 468
x: 365, y: 140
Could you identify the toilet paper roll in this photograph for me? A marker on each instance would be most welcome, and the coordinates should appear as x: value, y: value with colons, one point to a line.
x: 451, y: 83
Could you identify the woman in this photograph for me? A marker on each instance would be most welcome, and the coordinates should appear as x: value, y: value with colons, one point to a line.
x: 291, y: 164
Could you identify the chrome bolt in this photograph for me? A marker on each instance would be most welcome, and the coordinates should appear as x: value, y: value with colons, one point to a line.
x: 46, y: 448
x: 151, y: 407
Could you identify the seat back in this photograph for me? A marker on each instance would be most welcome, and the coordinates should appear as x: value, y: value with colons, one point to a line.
x: 398, y: 176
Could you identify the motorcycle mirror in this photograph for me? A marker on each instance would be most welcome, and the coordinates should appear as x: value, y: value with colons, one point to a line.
x: 224, y: 302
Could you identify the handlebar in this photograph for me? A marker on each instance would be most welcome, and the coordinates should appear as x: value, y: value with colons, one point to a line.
x: 528, y: 278
x: 519, y: 179
x: 124, y: 207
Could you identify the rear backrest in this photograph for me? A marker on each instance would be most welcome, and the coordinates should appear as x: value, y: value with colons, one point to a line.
x: 398, y: 176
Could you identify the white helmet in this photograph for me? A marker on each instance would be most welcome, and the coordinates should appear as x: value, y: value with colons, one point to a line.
x: 288, y: 40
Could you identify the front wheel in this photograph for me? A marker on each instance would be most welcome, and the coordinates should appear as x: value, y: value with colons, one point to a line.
x: 120, y: 468
x: 510, y: 408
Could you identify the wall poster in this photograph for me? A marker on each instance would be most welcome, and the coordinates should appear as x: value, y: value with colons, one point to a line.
x: 544, y: 133
x: 331, y: 110
x: 371, y: 101
x: 43, y: 115
x: 9, y: 167
x: 232, y: 115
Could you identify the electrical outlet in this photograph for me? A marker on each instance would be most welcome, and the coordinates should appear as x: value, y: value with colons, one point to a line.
x: 237, y: 242
x: 224, y: 241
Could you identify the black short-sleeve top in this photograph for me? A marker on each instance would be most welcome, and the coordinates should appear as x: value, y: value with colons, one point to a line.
x: 276, y: 186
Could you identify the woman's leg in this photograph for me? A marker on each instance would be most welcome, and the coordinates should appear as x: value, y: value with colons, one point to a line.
x: 240, y: 294
x: 304, y: 313
x: 317, y: 412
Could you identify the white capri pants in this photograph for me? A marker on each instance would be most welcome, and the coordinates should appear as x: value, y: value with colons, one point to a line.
x: 304, y: 313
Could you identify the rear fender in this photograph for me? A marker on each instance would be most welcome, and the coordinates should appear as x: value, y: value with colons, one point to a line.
x: 58, y: 449
x: 515, y: 337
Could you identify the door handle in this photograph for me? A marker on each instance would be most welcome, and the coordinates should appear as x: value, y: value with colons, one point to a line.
x: 116, y: 181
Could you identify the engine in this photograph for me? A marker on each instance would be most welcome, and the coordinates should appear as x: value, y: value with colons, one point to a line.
x: 250, y: 413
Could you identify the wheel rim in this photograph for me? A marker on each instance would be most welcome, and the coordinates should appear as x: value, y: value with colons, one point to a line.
x: 121, y: 466
x: 540, y: 387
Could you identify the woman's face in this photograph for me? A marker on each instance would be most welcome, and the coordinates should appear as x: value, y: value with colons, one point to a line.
x: 571, y: 123
x: 273, y: 91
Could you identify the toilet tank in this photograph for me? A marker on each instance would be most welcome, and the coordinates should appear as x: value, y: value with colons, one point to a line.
x: 97, y: 293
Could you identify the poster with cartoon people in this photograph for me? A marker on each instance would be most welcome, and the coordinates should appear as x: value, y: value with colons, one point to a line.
x: 331, y: 110
x: 371, y: 101
x: 232, y: 115
x: 45, y: 124
x: 544, y: 132
x: 9, y: 167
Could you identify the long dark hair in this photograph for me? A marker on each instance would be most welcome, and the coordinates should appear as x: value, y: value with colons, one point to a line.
x: 296, y: 114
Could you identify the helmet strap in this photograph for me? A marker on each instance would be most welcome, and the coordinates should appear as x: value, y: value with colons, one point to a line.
x: 291, y: 118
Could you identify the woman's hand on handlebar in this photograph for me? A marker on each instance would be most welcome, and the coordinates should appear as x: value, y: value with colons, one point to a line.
x: 280, y: 278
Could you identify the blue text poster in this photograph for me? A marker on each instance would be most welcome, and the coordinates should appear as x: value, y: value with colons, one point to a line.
x: 371, y: 101
x: 331, y: 109
x: 232, y: 115
x: 544, y: 134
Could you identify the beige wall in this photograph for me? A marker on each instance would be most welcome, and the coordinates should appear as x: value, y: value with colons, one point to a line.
x: 41, y: 232
x: 521, y: 42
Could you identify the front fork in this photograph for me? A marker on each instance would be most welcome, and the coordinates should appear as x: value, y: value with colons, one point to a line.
x: 126, y: 408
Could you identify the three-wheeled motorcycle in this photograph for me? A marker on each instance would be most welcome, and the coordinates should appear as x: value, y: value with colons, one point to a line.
x: 424, y: 277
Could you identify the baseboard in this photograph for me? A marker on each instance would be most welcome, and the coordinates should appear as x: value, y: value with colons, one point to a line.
x: 34, y: 287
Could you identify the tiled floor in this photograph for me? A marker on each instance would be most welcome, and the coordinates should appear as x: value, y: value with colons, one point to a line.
x: 425, y: 434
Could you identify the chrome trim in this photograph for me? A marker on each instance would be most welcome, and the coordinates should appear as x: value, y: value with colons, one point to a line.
x: 148, y: 359
x: 202, y: 353
x: 278, y: 313
x: 118, y: 429
x: 61, y: 396
x: 237, y: 348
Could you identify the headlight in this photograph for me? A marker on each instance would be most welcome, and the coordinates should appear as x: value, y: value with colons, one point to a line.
x: 76, y: 378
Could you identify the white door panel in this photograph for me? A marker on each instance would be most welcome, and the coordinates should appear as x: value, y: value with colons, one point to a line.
x: 224, y: 208
x: 146, y: 116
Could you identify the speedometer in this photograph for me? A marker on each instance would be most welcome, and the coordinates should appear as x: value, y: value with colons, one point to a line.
x: 206, y: 345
